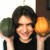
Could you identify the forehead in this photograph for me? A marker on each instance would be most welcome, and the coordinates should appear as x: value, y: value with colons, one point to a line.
x: 24, y: 20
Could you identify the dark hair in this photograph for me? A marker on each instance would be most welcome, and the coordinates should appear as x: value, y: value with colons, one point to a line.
x: 26, y: 11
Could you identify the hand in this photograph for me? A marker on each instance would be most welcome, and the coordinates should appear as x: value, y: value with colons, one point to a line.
x: 9, y: 41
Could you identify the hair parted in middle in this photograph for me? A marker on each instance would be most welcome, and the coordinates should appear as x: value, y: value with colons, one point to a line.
x: 26, y: 11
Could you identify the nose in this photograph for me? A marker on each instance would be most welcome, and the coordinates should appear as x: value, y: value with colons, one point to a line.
x: 25, y: 29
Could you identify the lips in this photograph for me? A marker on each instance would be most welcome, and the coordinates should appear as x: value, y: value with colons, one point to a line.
x: 24, y: 34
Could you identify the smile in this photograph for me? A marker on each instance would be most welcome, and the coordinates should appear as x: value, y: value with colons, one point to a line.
x: 25, y: 34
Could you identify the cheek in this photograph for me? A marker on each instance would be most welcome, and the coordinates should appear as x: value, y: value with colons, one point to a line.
x: 30, y: 28
x: 18, y: 30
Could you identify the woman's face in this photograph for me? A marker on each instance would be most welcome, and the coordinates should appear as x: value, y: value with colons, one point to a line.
x: 24, y: 29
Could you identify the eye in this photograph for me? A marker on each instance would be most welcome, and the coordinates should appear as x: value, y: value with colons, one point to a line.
x: 30, y: 24
x: 19, y: 25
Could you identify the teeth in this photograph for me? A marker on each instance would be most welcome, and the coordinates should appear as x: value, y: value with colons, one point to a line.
x: 25, y: 33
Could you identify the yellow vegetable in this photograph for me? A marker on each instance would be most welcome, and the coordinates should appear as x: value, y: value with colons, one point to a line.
x: 41, y: 25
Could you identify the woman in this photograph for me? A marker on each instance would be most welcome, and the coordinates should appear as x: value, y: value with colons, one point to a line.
x: 24, y: 20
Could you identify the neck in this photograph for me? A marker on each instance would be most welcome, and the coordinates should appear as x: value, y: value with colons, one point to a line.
x: 25, y: 40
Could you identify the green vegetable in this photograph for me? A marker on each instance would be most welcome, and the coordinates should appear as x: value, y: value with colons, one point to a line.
x: 7, y: 27
x: 0, y: 26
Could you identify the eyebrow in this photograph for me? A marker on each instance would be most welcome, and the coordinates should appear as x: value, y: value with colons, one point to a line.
x: 29, y: 23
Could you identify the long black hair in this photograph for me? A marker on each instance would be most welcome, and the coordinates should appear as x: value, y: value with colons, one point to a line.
x: 27, y: 12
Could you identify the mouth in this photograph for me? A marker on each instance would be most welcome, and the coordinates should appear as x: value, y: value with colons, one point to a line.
x: 24, y: 34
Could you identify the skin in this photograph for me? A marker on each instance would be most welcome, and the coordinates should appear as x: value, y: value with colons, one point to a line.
x: 9, y: 41
x: 25, y: 29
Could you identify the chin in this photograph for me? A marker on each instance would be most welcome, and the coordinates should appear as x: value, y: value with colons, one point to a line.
x: 25, y: 38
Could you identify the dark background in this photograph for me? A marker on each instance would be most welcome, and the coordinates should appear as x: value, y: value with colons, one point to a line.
x: 42, y: 8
